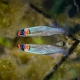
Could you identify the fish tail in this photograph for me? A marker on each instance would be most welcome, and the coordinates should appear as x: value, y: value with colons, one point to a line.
x: 66, y: 29
x: 65, y: 53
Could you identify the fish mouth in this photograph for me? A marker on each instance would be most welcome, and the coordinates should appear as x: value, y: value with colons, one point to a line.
x: 18, y: 33
x: 19, y: 46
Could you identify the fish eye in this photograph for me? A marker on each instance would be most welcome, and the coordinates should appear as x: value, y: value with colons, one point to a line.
x: 22, y: 32
x: 22, y: 47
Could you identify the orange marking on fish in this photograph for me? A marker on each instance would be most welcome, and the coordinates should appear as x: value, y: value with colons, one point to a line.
x: 27, y: 48
x: 26, y: 31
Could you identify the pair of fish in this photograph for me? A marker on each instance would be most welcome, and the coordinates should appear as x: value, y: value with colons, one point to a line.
x: 41, y: 31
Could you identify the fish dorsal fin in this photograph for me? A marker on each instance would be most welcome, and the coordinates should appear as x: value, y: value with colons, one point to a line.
x: 54, y: 24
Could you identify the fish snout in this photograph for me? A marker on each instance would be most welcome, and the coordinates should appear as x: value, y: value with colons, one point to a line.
x: 22, y: 47
x: 19, y: 46
x: 18, y: 33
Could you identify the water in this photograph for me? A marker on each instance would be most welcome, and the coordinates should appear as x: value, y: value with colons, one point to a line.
x: 16, y: 15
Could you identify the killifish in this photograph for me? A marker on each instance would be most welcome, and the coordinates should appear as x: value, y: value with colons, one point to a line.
x: 41, y: 49
x: 41, y: 31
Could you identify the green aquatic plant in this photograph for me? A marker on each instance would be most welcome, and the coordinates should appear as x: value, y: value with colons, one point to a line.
x: 23, y: 66
x: 11, y: 13
x: 9, y: 69
x: 38, y: 40
x: 4, y: 15
x: 5, y: 42
x: 65, y: 72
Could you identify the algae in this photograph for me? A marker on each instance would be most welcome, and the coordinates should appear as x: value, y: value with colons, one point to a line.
x: 18, y: 65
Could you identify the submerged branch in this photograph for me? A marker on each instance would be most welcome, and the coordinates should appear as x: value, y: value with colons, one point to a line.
x: 48, y: 76
x: 39, y: 11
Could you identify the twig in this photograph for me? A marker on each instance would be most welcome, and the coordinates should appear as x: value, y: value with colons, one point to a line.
x: 39, y: 11
x: 48, y: 76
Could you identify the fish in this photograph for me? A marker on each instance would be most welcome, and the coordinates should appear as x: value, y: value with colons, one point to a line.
x: 41, y: 31
x: 41, y: 49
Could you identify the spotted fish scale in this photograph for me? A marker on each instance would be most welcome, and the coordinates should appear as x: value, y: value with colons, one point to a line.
x: 44, y: 31
x: 44, y: 49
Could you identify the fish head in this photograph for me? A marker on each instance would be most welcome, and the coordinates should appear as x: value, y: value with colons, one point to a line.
x: 23, y: 47
x: 23, y: 32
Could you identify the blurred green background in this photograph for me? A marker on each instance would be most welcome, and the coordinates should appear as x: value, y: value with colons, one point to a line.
x: 18, y: 14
